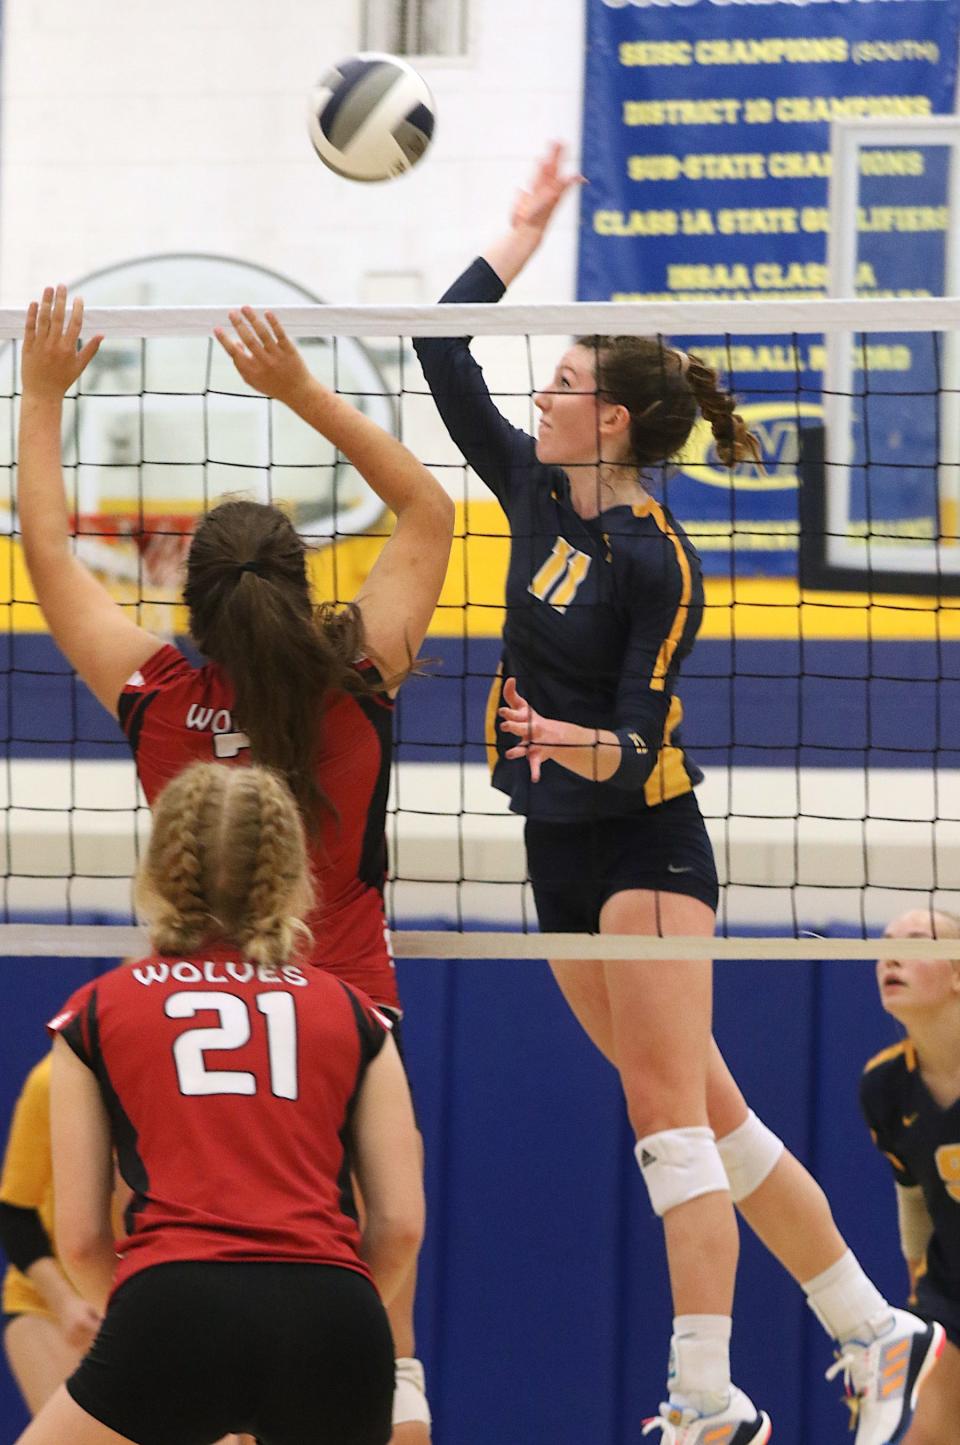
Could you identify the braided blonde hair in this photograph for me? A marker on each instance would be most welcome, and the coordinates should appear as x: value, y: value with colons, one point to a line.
x: 227, y: 859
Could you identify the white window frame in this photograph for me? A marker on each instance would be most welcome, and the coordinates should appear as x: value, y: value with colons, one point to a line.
x: 848, y: 137
x: 371, y: 21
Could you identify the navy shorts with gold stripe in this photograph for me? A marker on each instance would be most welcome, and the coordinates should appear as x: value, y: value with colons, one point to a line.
x: 576, y: 867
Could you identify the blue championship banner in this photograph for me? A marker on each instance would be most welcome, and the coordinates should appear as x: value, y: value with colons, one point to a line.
x: 706, y: 143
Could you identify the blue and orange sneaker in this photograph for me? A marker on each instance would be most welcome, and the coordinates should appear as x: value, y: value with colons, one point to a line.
x: 882, y: 1375
x: 739, y: 1424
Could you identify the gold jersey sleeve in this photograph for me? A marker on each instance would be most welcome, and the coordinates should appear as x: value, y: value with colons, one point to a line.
x: 27, y: 1178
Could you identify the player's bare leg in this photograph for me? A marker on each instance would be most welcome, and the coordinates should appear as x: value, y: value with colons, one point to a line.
x: 62, y: 1420
x: 937, y: 1418
x: 788, y: 1212
x: 661, y: 1019
x: 40, y: 1358
x: 653, y: 1021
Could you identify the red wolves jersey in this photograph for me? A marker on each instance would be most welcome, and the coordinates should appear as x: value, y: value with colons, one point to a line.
x: 174, y: 714
x: 922, y: 1142
x: 229, y: 1088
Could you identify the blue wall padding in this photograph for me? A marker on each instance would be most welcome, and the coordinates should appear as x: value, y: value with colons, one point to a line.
x: 543, y: 1310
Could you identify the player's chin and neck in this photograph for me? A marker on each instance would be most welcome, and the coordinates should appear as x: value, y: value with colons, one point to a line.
x: 911, y: 1013
x: 549, y: 454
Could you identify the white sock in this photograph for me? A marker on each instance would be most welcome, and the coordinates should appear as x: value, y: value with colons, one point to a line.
x: 844, y: 1299
x: 700, y: 1362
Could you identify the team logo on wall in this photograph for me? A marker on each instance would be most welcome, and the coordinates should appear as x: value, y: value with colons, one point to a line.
x: 776, y: 426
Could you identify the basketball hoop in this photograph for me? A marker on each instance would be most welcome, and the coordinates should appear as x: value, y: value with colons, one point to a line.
x: 152, y: 550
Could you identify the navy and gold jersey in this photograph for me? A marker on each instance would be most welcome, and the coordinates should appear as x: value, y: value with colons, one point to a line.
x: 601, y: 612
x: 922, y: 1142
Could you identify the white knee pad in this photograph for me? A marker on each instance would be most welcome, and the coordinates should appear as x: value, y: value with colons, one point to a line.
x: 749, y: 1154
x: 679, y: 1165
x: 410, y: 1393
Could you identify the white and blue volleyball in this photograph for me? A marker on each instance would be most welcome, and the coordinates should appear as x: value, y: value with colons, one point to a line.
x: 371, y: 117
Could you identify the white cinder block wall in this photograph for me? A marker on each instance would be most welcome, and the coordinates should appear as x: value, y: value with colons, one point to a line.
x: 131, y: 128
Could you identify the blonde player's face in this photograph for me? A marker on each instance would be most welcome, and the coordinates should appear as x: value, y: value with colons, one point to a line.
x: 911, y: 984
x: 569, y: 433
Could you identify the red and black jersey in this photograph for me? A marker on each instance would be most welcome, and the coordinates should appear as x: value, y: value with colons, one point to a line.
x: 230, y: 1088
x: 174, y: 714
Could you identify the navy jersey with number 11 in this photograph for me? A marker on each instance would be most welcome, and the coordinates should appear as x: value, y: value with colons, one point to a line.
x: 601, y: 611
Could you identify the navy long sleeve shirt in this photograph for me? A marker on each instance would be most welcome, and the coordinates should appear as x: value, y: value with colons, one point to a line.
x: 601, y: 612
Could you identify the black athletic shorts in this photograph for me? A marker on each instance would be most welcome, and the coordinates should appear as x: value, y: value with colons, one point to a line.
x: 289, y: 1353
x: 932, y: 1304
x: 575, y: 867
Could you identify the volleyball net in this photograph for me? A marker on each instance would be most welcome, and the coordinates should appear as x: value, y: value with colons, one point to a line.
x: 822, y: 698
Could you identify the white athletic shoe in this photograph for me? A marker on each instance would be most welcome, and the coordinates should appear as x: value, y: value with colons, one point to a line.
x: 739, y: 1424
x: 882, y: 1375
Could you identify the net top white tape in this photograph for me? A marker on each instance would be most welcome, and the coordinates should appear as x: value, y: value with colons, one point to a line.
x: 709, y: 318
x: 40, y: 940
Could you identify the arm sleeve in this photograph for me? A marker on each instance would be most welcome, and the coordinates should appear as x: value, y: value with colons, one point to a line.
x: 661, y: 632
x: 495, y: 450
x: 165, y: 668
x: 73, y: 1022
x: 875, y: 1112
x: 23, y: 1237
x: 913, y: 1217
x: 27, y: 1166
x: 373, y: 1025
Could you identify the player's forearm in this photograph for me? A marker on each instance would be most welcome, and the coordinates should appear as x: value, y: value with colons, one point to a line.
x: 91, y: 1268
x: 390, y: 468
x: 390, y: 1254
x: 53, y: 1286
x: 592, y: 753
x: 508, y: 255
x: 43, y: 515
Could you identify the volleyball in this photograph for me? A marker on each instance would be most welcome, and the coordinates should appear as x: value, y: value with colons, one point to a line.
x: 371, y: 117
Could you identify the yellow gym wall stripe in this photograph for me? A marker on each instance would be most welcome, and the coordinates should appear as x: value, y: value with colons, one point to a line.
x: 745, y: 607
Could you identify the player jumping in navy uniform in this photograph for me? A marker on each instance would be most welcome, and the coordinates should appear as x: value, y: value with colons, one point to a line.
x: 306, y: 690
x: 604, y: 598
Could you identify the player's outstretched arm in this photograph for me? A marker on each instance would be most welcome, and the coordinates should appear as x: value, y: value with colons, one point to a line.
x: 532, y: 212
x: 400, y: 594
x: 91, y: 630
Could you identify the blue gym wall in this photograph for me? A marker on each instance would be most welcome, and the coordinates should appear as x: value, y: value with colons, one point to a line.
x: 544, y: 1311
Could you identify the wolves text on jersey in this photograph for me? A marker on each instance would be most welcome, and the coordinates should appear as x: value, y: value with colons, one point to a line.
x: 212, y: 971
